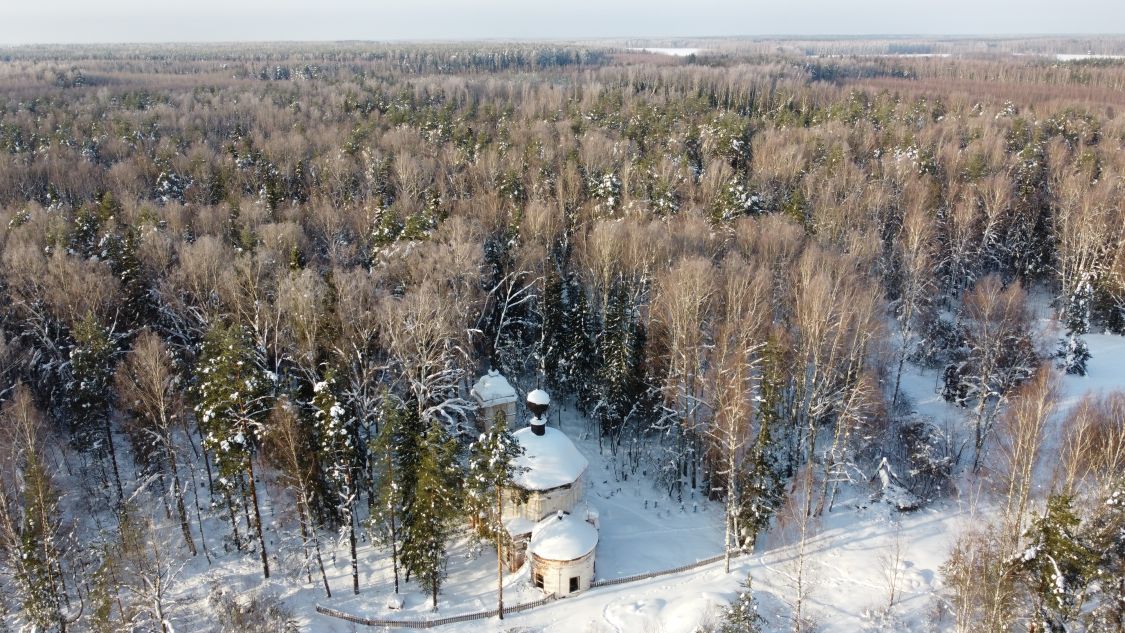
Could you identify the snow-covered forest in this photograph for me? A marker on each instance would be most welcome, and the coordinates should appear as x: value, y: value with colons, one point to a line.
x: 853, y: 312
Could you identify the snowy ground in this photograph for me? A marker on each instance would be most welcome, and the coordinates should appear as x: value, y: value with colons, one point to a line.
x: 675, y: 52
x: 847, y: 577
x: 641, y: 530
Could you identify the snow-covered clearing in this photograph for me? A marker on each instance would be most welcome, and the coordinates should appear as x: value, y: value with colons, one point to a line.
x: 642, y: 530
x: 1070, y: 57
x: 673, y: 51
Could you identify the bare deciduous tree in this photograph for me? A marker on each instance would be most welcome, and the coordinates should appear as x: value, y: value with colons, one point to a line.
x: 149, y: 390
x: 1000, y: 351
x: 1019, y: 439
x: 285, y: 444
x: 734, y: 392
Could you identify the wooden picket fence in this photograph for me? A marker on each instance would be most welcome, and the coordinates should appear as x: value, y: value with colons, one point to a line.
x: 429, y: 623
x: 482, y: 615
x: 662, y: 572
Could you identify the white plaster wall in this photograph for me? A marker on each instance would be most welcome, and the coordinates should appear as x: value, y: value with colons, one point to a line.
x: 557, y: 574
x: 485, y: 415
x: 543, y: 504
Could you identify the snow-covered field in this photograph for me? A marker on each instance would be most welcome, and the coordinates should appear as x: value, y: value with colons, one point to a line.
x: 641, y: 531
x: 675, y: 52
x: 1070, y: 57
x: 850, y: 551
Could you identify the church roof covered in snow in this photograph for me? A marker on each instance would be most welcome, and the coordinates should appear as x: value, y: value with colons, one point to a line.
x: 563, y: 537
x: 518, y: 526
x: 493, y: 388
x: 548, y: 461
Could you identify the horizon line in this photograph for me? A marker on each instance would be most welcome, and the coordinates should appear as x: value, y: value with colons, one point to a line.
x: 572, y: 39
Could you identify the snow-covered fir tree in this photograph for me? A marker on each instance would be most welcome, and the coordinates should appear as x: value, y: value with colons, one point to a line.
x: 92, y: 361
x: 621, y: 383
x: 1073, y: 352
x: 491, y: 468
x: 567, y: 342
x: 337, y: 439
x: 120, y: 250
x: 233, y: 397
x: 396, y: 454
x: 1103, y: 532
x: 552, y: 312
x: 742, y: 616
x: 1058, y: 565
x: 431, y: 518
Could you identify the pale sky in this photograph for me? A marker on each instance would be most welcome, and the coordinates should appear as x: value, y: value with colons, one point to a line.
x: 43, y: 21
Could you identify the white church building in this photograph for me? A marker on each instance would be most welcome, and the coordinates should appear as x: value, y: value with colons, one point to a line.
x: 544, y: 510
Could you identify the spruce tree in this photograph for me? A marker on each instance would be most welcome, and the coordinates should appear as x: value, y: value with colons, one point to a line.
x: 1104, y: 533
x: 386, y: 230
x: 120, y: 250
x: 551, y: 339
x: 88, y: 390
x: 578, y: 360
x: 31, y: 539
x: 491, y: 469
x: 621, y: 381
x: 743, y: 616
x: 1073, y: 352
x: 1058, y: 565
x: 395, y: 451
x: 337, y: 441
x: 233, y: 399
x: 431, y: 517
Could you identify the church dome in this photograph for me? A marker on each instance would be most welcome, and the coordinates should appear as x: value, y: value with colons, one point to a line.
x: 548, y: 461
x: 563, y: 537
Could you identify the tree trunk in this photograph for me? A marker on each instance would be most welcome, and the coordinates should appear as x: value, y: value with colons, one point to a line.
x: 898, y: 374
x: 257, y: 517
x: 351, y: 543
x: 394, y: 529
x: 306, y: 519
x: 198, y: 513
x: 302, y: 522
x: 234, y: 523
x: 499, y: 552
x: 206, y: 459
x: 978, y: 441
x: 181, y: 508
x: 732, y: 508
x: 113, y: 459
x: 320, y: 564
x: 164, y: 494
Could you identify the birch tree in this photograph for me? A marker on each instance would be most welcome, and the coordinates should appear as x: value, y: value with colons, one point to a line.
x: 427, y: 349
x: 998, y: 354
x: 150, y: 392
x: 740, y: 338
x: 682, y: 315
x: 286, y: 445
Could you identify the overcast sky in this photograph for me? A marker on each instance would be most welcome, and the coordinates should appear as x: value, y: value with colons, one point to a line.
x: 33, y: 21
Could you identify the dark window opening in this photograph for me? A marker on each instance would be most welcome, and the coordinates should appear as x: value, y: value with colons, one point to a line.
x: 574, y: 583
x: 539, y: 580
